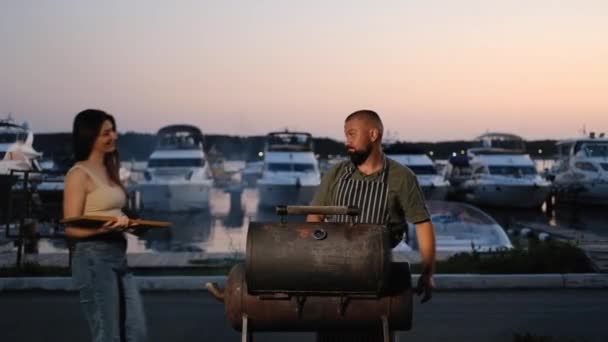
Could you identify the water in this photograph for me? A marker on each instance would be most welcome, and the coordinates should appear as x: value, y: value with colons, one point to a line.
x: 222, y: 230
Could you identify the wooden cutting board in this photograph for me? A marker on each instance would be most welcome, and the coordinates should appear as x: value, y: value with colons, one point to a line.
x: 92, y: 221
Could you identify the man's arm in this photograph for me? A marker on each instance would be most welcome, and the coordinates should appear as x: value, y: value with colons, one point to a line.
x: 416, y: 211
x: 426, y: 242
x: 425, y: 232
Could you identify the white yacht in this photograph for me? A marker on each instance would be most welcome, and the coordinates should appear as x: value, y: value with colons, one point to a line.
x: 581, y: 170
x: 16, y: 154
x: 291, y: 172
x: 503, y: 174
x: 433, y: 184
x: 16, y: 148
x: 177, y: 176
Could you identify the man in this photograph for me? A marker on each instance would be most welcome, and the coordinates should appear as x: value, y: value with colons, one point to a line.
x: 385, y: 191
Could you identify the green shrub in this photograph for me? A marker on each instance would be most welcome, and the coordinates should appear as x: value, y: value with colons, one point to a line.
x: 539, y: 257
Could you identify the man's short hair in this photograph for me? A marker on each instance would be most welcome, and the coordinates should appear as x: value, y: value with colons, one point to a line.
x: 367, y: 114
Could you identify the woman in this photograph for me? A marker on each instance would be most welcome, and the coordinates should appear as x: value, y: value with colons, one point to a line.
x: 108, y: 293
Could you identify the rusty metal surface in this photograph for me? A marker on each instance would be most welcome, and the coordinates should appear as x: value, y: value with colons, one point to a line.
x: 321, y: 258
x: 318, y: 313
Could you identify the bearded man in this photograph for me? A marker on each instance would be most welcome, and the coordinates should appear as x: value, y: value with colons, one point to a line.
x: 386, y: 192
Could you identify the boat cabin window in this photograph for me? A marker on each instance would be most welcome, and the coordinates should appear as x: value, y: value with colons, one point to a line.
x: 7, y: 138
x: 507, y: 143
x: 278, y: 167
x: 2, y: 153
x: 289, y: 141
x: 509, y: 170
x: 586, y: 166
x: 303, y: 167
x: 288, y: 167
x: 179, y: 140
x: 423, y: 169
x: 177, y: 162
x: 11, y: 137
x: 592, y: 150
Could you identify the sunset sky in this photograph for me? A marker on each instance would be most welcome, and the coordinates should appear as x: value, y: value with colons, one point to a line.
x: 434, y: 70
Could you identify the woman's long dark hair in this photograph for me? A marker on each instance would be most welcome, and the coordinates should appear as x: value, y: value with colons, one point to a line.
x: 87, y: 127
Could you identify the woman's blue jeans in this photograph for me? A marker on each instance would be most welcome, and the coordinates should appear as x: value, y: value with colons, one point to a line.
x: 108, y: 293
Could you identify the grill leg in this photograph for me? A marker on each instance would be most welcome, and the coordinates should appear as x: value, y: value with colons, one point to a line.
x: 385, y: 332
x: 245, y: 335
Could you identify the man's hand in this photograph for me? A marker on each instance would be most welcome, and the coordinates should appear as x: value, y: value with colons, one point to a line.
x: 426, y: 284
x: 426, y: 240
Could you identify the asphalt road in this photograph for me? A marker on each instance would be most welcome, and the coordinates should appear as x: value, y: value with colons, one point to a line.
x: 569, y: 315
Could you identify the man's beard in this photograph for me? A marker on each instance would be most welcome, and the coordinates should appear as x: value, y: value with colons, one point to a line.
x: 359, y: 157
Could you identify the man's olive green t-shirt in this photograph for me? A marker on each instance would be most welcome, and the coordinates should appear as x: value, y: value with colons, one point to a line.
x: 406, y: 201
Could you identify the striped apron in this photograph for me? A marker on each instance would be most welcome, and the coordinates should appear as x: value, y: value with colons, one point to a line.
x: 371, y: 197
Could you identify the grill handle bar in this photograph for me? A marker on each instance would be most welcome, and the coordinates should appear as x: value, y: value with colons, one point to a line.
x: 283, y: 210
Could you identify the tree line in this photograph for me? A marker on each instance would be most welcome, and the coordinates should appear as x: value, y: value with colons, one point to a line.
x: 138, y: 146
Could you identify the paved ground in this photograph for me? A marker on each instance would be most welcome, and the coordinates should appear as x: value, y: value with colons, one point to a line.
x: 451, y: 316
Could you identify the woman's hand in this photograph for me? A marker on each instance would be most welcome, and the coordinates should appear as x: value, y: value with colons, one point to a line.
x: 132, y: 229
x: 119, y: 224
